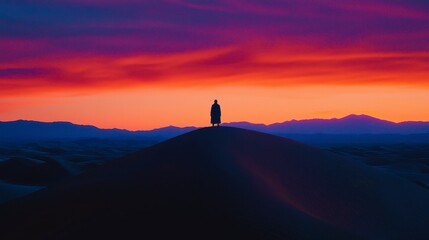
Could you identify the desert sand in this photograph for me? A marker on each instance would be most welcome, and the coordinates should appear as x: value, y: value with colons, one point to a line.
x: 224, y: 183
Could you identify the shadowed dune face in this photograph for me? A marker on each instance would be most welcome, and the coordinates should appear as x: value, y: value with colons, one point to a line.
x: 31, y: 171
x: 10, y: 191
x: 321, y: 185
x: 28, y: 166
x: 224, y: 183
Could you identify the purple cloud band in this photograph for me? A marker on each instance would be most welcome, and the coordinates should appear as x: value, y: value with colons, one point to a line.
x: 33, y: 33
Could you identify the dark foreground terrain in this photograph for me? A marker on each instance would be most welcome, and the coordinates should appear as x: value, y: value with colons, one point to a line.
x: 226, y: 183
x: 410, y: 161
x: 29, y: 166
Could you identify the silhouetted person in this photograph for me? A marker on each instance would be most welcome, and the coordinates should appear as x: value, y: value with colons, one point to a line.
x: 215, y: 114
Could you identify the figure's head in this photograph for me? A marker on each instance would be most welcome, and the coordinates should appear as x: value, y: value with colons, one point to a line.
x: 215, y: 101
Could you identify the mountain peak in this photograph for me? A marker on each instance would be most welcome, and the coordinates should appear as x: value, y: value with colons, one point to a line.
x: 361, y: 117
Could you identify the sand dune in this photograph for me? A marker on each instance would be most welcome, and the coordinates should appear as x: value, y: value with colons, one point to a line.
x: 10, y: 191
x: 225, y: 183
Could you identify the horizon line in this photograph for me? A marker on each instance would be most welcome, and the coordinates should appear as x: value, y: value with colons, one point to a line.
x: 190, y: 126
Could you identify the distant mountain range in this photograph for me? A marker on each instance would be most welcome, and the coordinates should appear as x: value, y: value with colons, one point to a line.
x: 34, y: 130
x: 351, y: 124
x: 324, y: 129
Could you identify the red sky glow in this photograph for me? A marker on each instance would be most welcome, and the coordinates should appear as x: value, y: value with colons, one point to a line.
x: 148, y: 64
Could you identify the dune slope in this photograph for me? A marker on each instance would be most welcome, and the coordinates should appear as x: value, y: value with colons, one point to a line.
x: 224, y: 183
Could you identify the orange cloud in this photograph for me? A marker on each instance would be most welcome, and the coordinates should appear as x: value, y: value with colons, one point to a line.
x: 249, y: 65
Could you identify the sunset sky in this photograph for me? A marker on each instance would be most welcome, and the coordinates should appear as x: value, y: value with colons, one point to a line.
x: 143, y: 64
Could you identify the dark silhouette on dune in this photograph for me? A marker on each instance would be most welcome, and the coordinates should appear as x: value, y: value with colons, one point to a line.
x: 224, y: 183
x: 215, y: 114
